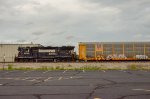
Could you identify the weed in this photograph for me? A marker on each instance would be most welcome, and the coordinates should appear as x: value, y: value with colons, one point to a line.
x: 133, y: 67
x: 10, y: 67
x: 69, y: 65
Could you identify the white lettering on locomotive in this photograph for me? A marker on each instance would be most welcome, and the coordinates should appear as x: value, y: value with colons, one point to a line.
x: 47, y: 50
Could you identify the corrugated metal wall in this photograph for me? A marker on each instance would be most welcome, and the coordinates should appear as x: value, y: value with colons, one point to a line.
x: 129, y: 49
x: 90, y: 50
x: 107, y: 49
x: 9, y: 51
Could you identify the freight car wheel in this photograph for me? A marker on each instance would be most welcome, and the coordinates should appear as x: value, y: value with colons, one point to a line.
x: 55, y: 60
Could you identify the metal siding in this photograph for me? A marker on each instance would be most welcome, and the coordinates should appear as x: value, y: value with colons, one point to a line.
x: 90, y: 54
x: 118, y: 48
x: 139, y: 48
x: 129, y: 49
x: 82, y: 52
x: 90, y: 50
x: 107, y: 49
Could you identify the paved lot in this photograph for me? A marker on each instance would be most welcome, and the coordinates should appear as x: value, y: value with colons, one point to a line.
x: 74, y: 84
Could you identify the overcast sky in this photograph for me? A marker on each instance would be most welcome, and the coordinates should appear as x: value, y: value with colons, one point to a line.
x: 67, y: 22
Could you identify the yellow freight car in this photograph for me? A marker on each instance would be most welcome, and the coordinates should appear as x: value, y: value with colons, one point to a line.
x: 96, y: 51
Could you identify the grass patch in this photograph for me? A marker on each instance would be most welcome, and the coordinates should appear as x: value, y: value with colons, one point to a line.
x: 42, y: 68
x: 10, y: 67
x: 133, y: 67
x: 136, y: 67
x: 88, y: 68
x: 59, y: 68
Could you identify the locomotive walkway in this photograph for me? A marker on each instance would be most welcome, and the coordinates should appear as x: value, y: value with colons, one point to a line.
x: 112, y: 84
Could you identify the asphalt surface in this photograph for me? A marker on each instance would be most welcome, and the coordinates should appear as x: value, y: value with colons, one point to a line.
x: 75, y: 84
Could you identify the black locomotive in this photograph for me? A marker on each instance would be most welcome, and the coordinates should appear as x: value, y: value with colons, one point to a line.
x: 46, y: 54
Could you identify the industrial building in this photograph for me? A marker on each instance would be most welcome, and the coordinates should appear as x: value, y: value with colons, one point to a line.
x: 114, y: 51
x: 9, y: 51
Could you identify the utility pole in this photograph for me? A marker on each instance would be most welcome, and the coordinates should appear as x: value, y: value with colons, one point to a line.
x: 4, y: 62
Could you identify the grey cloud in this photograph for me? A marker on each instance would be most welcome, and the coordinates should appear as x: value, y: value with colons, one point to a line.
x: 21, y: 41
x: 58, y: 33
x: 80, y: 20
x: 70, y: 37
x: 29, y: 23
x: 37, y: 33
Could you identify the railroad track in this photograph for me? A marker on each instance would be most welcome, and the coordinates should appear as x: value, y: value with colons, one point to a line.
x: 104, y: 61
